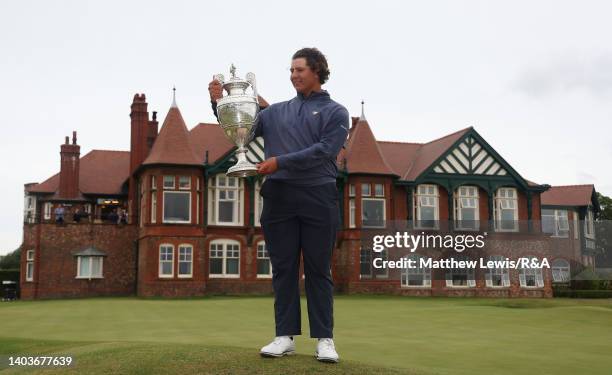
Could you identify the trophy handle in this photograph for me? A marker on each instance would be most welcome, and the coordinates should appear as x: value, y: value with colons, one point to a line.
x: 250, y: 78
x: 220, y: 78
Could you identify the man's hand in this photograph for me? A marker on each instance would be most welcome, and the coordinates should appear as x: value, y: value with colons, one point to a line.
x: 215, y: 89
x: 268, y: 166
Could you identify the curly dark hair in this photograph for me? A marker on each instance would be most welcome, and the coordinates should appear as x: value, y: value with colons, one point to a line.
x: 316, y: 61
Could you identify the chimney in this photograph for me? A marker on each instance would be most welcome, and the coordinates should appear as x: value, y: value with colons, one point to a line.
x: 152, y: 133
x: 69, y: 168
x: 139, y: 131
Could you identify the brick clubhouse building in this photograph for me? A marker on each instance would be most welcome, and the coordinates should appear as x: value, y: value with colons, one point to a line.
x: 162, y: 219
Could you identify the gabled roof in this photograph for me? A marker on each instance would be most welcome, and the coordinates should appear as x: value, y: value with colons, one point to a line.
x: 362, y: 154
x: 172, y: 145
x: 209, y: 137
x: 429, y: 152
x: 100, y: 172
x: 569, y: 195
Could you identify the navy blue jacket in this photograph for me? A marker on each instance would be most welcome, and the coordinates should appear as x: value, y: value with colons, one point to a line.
x: 305, y: 134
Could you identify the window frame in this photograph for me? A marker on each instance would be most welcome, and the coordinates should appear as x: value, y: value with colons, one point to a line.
x: 425, y: 272
x: 90, y: 259
x: 187, y: 186
x: 214, y: 201
x: 168, y: 178
x: 470, y: 275
x: 184, y: 246
x: 417, y: 206
x: 557, y: 269
x: 497, y: 209
x: 259, y: 258
x: 29, y: 274
x: 188, y: 193
x: 224, y: 259
x: 384, y: 212
x: 160, y: 261
x: 538, y: 276
x: 504, y: 274
x: 458, y: 209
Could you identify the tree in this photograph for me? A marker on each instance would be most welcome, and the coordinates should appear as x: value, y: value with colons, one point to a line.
x: 11, y: 260
x: 606, y: 207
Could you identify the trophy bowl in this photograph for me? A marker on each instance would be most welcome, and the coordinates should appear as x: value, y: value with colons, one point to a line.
x: 237, y: 113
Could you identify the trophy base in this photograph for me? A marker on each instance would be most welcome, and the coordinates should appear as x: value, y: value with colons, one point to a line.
x: 242, y: 171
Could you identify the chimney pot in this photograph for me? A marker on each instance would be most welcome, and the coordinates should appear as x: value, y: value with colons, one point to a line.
x: 74, y: 137
x: 67, y: 141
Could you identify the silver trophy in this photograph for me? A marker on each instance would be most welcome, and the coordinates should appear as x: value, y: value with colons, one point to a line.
x: 237, y: 113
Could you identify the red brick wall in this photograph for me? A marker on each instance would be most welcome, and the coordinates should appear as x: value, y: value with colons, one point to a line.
x: 56, y: 267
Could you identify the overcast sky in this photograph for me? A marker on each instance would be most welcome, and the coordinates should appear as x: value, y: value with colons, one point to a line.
x: 534, y: 78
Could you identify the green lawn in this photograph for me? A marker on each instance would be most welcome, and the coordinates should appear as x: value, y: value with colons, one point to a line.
x: 374, y: 335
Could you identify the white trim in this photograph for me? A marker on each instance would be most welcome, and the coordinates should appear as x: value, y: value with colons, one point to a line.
x: 47, y: 210
x: 184, y: 246
x: 537, y: 275
x: 503, y: 197
x: 29, y: 273
x: 159, y: 261
x: 561, y: 271
x: 384, y: 213
x: 90, y: 259
x: 503, y: 272
x: 166, y: 177
x: 424, y: 271
x: 431, y: 196
x: 224, y: 258
x: 164, y: 207
x: 258, y: 258
x: 471, y: 192
x: 258, y: 204
x: 352, y: 213
x: 154, y: 207
x: 188, y: 186
x: 214, y: 191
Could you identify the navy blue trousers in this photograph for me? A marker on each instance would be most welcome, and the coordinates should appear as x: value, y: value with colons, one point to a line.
x: 301, y: 219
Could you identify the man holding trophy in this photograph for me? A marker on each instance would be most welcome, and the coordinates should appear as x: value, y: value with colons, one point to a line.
x: 302, y: 138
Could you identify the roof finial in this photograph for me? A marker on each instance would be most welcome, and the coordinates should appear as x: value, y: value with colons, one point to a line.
x: 362, y: 117
x: 173, y: 97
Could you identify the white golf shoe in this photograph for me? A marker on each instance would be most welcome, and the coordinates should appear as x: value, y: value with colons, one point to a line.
x: 326, y: 351
x: 282, y: 345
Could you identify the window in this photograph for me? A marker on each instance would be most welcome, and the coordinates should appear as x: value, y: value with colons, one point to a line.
x: 30, y: 265
x: 351, y: 190
x: 185, y: 182
x: 461, y: 277
x: 224, y: 258
x: 153, y: 207
x: 264, y: 267
x: 373, y: 212
x: 426, y: 206
x: 575, y: 214
x: 531, y: 277
x: 166, y: 260
x: 367, y: 269
x: 497, y: 276
x: 225, y: 200
x: 352, y: 213
x: 506, y: 210
x: 365, y: 264
x: 29, y: 212
x: 153, y: 183
x: 168, y: 182
x: 185, y: 261
x: 379, y: 190
x: 365, y: 190
x: 48, y: 211
x: 555, y: 222
x: 588, y: 223
x: 416, y: 276
x: 560, y: 271
x: 89, y: 267
x: 177, y: 207
x: 466, y: 208
x: 258, y: 204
